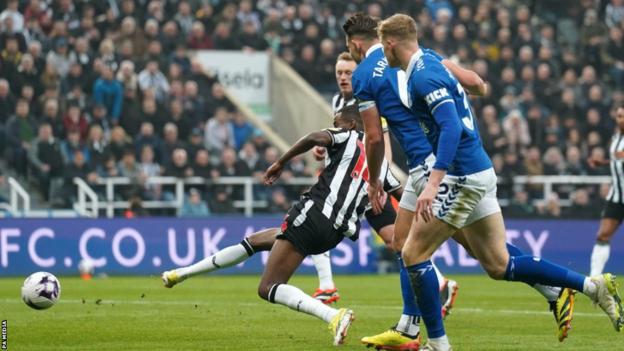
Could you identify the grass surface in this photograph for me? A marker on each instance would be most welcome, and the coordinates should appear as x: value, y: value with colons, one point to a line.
x: 224, y: 313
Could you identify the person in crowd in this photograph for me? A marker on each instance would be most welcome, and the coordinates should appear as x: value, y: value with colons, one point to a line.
x: 194, y: 206
x: 46, y: 159
x: 20, y: 132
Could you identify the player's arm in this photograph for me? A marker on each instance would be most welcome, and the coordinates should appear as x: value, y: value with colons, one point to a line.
x: 322, y: 138
x: 469, y: 79
x: 387, y: 143
x: 445, y: 116
x: 375, y: 150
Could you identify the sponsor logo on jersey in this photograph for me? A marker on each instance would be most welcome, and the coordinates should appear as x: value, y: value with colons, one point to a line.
x: 436, y: 95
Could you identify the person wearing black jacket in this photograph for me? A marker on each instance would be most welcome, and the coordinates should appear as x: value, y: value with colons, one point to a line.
x: 45, y: 158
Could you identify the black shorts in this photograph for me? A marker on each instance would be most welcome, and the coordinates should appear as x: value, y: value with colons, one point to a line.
x: 613, y: 210
x: 385, y: 218
x: 315, y: 235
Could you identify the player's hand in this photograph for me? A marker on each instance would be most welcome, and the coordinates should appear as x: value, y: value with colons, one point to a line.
x: 273, y: 173
x: 424, y: 204
x: 319, y: 153
x: 376, y: 195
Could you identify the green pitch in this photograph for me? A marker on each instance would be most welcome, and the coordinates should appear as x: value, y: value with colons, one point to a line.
x: 224, y: 313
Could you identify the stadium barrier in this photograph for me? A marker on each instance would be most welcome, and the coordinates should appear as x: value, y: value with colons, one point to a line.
x: 88, y: 202
x: 150, y: 245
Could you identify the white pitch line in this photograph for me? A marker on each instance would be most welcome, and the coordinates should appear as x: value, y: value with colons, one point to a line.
x: 377, y: 307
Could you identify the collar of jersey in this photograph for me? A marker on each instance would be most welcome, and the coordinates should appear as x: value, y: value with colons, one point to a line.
x: 410, y: 67
x: 373, y: 48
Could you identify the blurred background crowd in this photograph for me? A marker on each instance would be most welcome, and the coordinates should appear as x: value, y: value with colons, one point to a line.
x: 106, y: 88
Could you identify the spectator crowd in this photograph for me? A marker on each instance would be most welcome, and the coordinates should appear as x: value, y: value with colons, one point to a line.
x: 96, y: 89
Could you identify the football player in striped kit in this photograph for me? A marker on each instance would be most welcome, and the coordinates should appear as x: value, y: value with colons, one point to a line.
x: 324, y: 216
x: 613, y: 212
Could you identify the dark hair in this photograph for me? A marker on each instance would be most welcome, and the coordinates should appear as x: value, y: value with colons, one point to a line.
x: 361, y: 24
x: 352, y: 112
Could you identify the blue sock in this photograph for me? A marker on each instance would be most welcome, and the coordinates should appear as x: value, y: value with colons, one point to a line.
x: 410, y: 307
x: 427, y: 290
x: 534, y: 270
x: 514, y: 250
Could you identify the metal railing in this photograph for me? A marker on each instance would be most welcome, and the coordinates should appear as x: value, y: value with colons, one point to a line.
x: 550, y: 181
x: 111, y: 187
x: 88, y: 204
x: 17, y: 193
x: 248, y: 203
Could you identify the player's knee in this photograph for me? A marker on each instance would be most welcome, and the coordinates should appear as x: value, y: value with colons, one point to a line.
x: 262, y: 241
x: 397, y: 243
x: 411, y: 257
x: 603, y: 236
x: 496, y: 271
x: 263, y: 290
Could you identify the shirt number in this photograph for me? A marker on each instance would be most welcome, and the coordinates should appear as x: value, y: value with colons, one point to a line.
x: 467, y: 120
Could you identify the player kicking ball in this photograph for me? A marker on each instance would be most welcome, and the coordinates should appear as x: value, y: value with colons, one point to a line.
x: 461, y: 190
x: 325, y: 215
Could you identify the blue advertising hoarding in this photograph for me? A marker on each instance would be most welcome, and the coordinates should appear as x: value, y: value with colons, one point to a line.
x: 151, y: 245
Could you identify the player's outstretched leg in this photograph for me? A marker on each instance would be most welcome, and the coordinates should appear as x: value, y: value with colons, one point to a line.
x: 326, y: 292
x: 601, y: 289
x: 485, y: 238
x: 560, y: 300
x: 227, y: 257
x: 282, y: 263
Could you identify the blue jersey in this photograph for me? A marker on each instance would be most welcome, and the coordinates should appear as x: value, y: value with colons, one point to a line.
x: 374, y: 82
x: 451, y: 131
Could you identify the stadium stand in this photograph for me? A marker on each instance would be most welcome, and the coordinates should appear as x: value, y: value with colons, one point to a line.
x: 100, y: 89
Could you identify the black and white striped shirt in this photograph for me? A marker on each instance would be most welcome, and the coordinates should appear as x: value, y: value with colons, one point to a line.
x: 338, y: 102
x: 616, y: 193
x: 341, y: 190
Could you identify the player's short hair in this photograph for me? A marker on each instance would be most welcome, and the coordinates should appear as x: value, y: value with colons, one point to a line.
x: 400, y: 26
x: 362, y: 25
x: 345, y: 56
x: 352, y: 112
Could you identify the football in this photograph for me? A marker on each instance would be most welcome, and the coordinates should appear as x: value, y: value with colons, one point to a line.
x: 41, y: 290
x: 86, y: 267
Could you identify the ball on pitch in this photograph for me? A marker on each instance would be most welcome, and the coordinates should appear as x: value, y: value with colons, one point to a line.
x: 86, y: 267
x: 41, y: 290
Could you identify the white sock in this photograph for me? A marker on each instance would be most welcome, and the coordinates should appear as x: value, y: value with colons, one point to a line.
x: 441, y: 279
x: 409, y: 325
x: 322, y: 263
x: 599, y: 258
x: 226, y: 257
x: 590, y: 289
x: 297, y: 300
x: 440, y: 343
x: 551, y: 293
